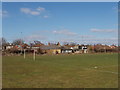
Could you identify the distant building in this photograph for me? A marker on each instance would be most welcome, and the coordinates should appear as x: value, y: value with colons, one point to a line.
x: 51, y: 49
x: 6, y: 47
x: 84, y: 49
x: 74, y: 49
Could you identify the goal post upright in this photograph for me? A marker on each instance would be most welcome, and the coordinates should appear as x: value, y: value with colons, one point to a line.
x: 34, y: 55
x: 24, y: 54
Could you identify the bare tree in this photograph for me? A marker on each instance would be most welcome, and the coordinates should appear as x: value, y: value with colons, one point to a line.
x: 65, y: 43
x: 4, y: 41
x: 73, y: 44
x: 18, y: 42
x: 37, y: 42
x: 70, y: 43
x: 31, y: 45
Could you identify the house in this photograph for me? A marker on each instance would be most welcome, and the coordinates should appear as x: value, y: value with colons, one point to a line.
x: 84, y: 49
x: 70, y: 49
x: 25, y: 46
x: 66, y: 49
x: 50, y: 49
x: 112, y: 46
x: 104, y: 48
x: 7, y: 47
x: 36, y: 46
x: 74, y: 49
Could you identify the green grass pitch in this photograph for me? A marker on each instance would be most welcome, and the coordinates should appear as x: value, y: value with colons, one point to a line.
x: 61, y: 71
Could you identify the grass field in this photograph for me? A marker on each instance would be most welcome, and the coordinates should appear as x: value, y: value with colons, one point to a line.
x: 61, y: 71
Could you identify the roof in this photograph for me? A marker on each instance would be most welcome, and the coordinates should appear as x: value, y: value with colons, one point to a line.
x: 24, y: 45
x: 70, y: 45
x: 38, y: 45
x: 65, y: 47
x: 45, y: 47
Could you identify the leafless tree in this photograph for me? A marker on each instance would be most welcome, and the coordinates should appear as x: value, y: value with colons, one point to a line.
x: 4, y: 42
x: 18, y: 42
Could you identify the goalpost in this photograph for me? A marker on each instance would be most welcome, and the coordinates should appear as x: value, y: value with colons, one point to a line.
x: 34, y: 54
x: 24, y: 54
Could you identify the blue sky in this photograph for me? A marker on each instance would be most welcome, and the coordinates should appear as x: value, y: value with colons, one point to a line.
x: 0, y: 19
x: 88, y: 22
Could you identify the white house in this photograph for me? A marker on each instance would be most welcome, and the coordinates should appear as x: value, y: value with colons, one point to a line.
x: 84, y: 48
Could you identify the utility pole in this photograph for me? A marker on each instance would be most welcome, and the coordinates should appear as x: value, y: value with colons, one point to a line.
x: 21, y: 43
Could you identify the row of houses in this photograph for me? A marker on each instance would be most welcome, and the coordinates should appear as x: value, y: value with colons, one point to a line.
x: 49, y: 49
x: 57, y: 48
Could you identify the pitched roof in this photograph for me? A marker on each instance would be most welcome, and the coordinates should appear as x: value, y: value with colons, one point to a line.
x: 38, y: 45
x: 46, y: 47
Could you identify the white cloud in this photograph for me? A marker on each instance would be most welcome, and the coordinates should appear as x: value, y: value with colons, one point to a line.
x: 4, y: 13
x: 29, y: 11
x: 64, y: 32
x: 36, y: 12
x: 45, y: 16
x: 25, y: 10
x: 86, y: 36
x: 69, y: 40
x: 103, y: 30
x: 100, y: 40
x: 35, y: 37
x: 40, y: 9
x: 90, y: 40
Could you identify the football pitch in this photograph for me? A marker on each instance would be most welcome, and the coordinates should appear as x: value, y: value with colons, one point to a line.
x: 61, y: 71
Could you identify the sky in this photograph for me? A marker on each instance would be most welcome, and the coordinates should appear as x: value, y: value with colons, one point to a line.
x: 60, y: 0
x: 79, y: 22
x: 0, y: 19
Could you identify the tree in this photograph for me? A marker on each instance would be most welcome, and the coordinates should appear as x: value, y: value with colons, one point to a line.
x: 4, y: 42
x: 37, y: 42
x: 31, y: 45
x: 70, y: 43
x: 18, y: 42
x: 65, y: 43
x: 58, y: 44
x: 73, y: 44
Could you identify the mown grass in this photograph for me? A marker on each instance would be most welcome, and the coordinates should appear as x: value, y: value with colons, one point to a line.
x: 61, y: 71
